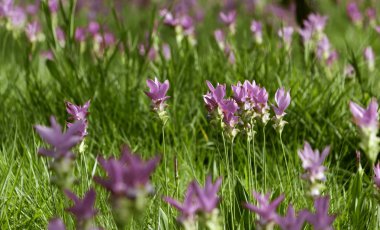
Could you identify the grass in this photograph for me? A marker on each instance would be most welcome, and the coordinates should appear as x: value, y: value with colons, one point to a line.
x: 33, y: 89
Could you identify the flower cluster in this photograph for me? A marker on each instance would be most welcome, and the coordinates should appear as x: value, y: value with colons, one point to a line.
x: 199, y: 208
x: 367, y: 121
x: 312, y: 162
x: 248, y: 104
x: 128, y: 181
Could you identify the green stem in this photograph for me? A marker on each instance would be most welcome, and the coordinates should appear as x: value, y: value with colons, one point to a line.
x: 283, y: 153
x: 264, y: 161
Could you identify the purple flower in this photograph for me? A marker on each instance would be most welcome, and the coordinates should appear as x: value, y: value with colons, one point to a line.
x: 354, y: 12
x: 216, y: 95
x: 33, y: 31
x: 189, y: 206
x: 282, y: 99
x: 239, y: 93
x: 93, y: 28
x: 208, y: 196
x: 220, y: 38
x: 56, y: 224
x: 365, y: 118
x: 371, y: 14
x: 306, y: 34
x: 376, y: 177
x: 332, y: 58
x: 317, y: 22
x: 128, y: 176
x: 157, y: 93
x: 61, y: 37
x: 83, y: 209
x: 312, y: 162
x: 256, y: 29
x: 265, y: 209
x: 80, y: 34
x: 53, y: 5
x: 228, y: 18
x: 291, y: 221
x: 61, y: 142
x: 349, y: 71
x: 17, y: 17
x: 369, y: 56
x: 377, y: 29
x: 77, y: 112
x: 323, y: 48
x: 166, y: 51
x: 286, y: 34
x: 47, y: 54
x: 320, y: 220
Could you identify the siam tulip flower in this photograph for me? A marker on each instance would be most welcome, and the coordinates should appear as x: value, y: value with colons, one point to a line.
x: 349, y: 71
x: 354, y: 13
x: 320, y: 220
x: 80, y: 34
x: 368, y: 122
x: 377, y: 28
x: 323, y: 48
x: 371, y: 15
x: 78, y: 113
x: 317, y: 22
x: 306, y: 34
x: 369, y: 56
x: 365, y: 118
x: 282, y: 99
x: 256, y: 29
x: 376, y: 177
x: 230, y: 54
x: 265, y: 209
x: 32, y: 9
x: 220, y: 38
x: 166, y: 52
x: 285, y: 34
x: 157, y: 93
x: 239, y: 93
x: 93, y: 28
x: 47, y: 54
x: 228, y: 19
x: 61, y: 145
x: 207, y: 196
x: 291, y: 221
x: 312, y: 162
x: 128, y: 176
x: 17, y: 18
x: 188, y: 209
x: 128, y: 181
x: 33, y: 32
x: 61, y: 142
x: 53, y: 6
x: 83, y: 209
x: 333, y: 57
x: 56, y: 224
x: 215, y: 97
x: 61, y: 36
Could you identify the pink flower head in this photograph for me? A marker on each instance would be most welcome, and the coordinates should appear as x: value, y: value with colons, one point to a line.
x: 228, y: 18
x: 128, y: 176
x: 239, y: 93
x: 256, y: 29
x: 56, y: 224
x: 377, y: 29
x: 93, y: 27
x: 376, y: 177
x: 354, y: 13
x: 317, y: 22
x: 78, y: 112
x: 369, y: 56
x: 60, y: 142
x: 371, y: 14
x: 292, y: 221
x: 265, y: 209
x: 312, y: 162
x: 33, y: 31
x: 286, y: 34
x: 332, y: 58
x: 83, y: 209
x: 320, y: 220
x: 17, y: 17
x: 306, y: 34
x: 157, y: 93
x: 282, y: 99
x: 365, y: 118
x: 215, y: 96
x: 166, y: 52
x: 323, y: 48
x: 80, y: 34
x: 53, y: 5
x: 189, y: 207
x: 208, y: 196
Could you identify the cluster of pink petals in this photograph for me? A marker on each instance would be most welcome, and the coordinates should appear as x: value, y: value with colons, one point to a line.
x: 78, y: 113
x: 312, y: 162
x: 157, y: 93
x: 365, y: 118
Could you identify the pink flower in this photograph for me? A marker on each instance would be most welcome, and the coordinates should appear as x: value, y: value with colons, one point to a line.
x: 157, y: 93
x: 365, y: 118
x: 282, y: 99
x: 376, y: 177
